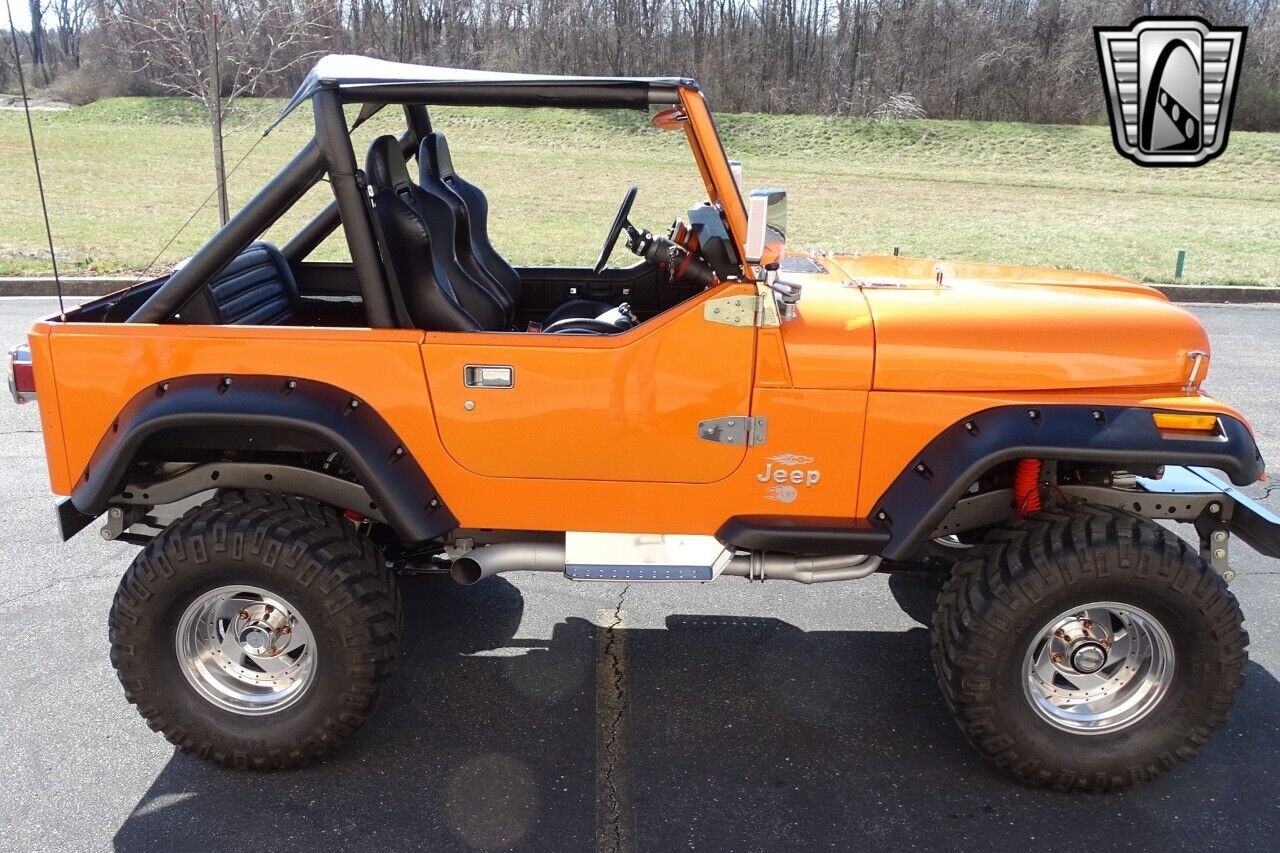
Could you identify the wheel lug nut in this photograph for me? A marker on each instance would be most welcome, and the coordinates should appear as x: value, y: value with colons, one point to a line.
x: 286, y: 629
x: 1056, y: 657
x: 271, y: 650
x: 244, y: 614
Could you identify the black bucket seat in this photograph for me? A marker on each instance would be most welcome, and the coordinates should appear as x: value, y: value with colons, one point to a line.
x: 416, y: 229
x: 471, y: 230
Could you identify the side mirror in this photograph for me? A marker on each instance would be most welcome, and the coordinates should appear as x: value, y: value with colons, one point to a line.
x: 766, y: 224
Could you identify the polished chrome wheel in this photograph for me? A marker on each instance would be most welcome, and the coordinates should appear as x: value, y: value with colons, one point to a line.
x: 1098, y: 668
x: 245, y: 650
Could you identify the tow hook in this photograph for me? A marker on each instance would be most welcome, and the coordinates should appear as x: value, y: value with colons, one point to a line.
x: 120, y: 519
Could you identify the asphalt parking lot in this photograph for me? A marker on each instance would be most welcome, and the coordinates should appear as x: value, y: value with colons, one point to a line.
x: 538, y: 714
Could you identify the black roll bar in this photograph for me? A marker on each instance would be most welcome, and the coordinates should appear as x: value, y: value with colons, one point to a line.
x: 262, y: 211
x: 331, y: 145
x: 607, y: 95
x: 311, y: 235
x: 335, y: 144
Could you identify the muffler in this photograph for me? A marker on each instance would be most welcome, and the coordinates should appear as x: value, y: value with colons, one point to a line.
x: 479, y: 563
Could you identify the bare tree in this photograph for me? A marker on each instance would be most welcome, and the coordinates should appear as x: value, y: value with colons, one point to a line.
x: 1025, y: 60
x: 72, y: 16
x: 217, y: 50
x: 37, y: 36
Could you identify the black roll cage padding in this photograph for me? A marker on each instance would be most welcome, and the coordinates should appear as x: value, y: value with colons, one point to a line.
x: 921, y: 496
x: 261, y: 212
x: 402, y: 491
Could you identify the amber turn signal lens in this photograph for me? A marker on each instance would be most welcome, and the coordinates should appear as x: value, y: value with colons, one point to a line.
x: 1193, y: 423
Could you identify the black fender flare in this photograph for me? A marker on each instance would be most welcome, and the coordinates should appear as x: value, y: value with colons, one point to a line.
x: 920, y: 497
x: 401, y: 489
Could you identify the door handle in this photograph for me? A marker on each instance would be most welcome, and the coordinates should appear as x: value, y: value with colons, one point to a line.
x: 488, y: 376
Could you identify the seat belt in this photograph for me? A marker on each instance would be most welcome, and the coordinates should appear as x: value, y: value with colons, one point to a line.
x: 397, y: 295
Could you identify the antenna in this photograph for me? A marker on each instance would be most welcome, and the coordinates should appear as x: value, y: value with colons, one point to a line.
x: 35, y: 158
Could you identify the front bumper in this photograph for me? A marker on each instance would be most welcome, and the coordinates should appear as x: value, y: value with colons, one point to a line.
x: 1240, y: 514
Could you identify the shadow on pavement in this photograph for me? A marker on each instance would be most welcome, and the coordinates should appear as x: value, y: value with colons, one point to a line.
x: 737, y: 734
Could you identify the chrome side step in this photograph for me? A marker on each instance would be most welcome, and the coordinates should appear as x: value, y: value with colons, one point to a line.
x: 643, y: 557
x: 653, y: 557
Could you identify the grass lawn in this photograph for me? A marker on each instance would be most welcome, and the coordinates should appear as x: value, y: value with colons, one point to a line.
x: 122, y: 175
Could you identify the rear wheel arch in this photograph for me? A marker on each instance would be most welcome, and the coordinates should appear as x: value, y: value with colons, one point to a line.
x: 303, y: 416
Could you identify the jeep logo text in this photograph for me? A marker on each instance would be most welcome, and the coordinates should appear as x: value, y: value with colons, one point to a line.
x: 797, y: 476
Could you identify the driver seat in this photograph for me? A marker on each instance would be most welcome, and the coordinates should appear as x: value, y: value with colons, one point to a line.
x: 470, y: 208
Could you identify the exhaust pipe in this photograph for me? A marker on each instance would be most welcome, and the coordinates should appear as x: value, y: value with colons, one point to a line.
x: 841, y: 567
x: 479, y: 563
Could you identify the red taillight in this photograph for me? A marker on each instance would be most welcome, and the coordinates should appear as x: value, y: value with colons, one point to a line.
x: 22, y: 376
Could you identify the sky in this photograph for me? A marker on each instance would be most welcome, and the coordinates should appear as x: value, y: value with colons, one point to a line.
x: 21, y: 17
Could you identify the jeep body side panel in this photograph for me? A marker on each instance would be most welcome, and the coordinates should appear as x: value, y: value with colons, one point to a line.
x: 622, y: 407
x: 814, y: 434
x: 100, y: 367
x: 401, y: 491
x: 811, y: 465
x: 50, y: 415
x: 922, y: 494
x: 831, y: 343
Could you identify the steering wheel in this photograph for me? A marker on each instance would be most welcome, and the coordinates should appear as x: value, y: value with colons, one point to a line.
x: 620, y: 222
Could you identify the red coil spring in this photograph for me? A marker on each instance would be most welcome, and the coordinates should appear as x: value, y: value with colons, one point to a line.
x: 1026, y: 486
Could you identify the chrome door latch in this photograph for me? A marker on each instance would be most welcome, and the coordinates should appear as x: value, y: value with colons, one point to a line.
x: 488, y: 376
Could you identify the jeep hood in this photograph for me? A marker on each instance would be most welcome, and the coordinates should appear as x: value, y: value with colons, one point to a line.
x: 979, y: 327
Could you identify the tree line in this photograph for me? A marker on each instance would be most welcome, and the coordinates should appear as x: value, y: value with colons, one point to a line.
x: 1024, y: 60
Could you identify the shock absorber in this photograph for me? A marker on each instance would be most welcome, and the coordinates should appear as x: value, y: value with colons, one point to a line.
x: 1026, y: 486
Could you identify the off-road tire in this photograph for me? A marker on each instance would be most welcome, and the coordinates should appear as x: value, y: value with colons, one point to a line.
x: 1024, y: 574
x: 296, y: 548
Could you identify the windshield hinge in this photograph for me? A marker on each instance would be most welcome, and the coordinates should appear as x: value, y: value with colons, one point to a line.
x: 733, y: 310
x: 739, y: 430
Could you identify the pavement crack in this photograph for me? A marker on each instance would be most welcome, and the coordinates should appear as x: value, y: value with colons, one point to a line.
x: 59, y: 582
x: 611, y: 700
